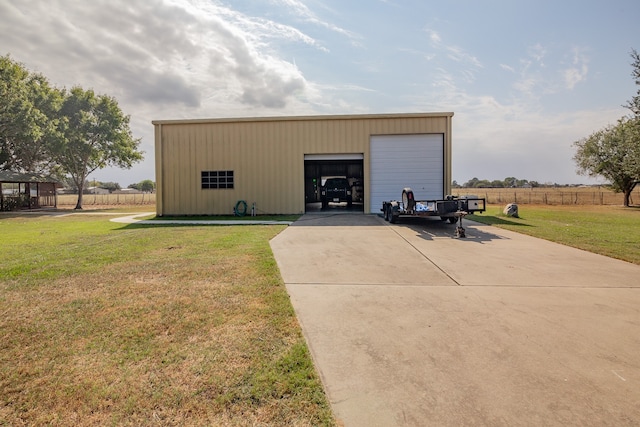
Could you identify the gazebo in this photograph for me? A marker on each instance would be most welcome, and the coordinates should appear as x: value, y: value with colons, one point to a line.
x: 27, y: 191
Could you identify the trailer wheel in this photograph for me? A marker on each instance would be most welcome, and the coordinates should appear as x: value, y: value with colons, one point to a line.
x: 386, y: 213
x: 392, y: 218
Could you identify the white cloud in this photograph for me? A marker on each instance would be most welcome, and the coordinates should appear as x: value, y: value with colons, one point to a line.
x: 466, y: 63
x: 507, y: 68
x: 301, y: 10
x: 577, y: 73
x: 129, y: 51
x: 537, y: 52
x: 434, y: 37
x: 459, y: 55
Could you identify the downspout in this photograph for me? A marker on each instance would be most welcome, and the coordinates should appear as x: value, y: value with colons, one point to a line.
x: 159, y: 167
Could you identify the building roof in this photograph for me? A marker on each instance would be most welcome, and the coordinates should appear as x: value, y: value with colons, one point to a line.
x: 8, y: 176
x: 298, y: 118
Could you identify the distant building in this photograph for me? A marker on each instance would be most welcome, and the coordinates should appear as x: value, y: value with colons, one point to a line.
x: 127, y: 191
x: 27, y: 191
x: 96, y: 190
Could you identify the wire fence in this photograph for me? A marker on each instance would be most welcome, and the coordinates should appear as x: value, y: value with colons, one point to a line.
x: 551, y: 196
x: 533, y: 196
x: 108, y: 199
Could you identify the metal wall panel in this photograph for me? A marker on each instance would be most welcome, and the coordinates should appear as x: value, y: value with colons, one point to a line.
x: 267, y: 157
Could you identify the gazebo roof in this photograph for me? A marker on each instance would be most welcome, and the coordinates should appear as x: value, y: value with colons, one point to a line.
x: 8, y: 176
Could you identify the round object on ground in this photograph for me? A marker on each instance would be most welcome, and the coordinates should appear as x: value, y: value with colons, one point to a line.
x: 511, y: 210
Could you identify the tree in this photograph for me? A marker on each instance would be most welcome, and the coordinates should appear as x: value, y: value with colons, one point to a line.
x: 94, y: 133
x: 28, y: 118
x: 472, y: 183
x: 612, y: 153
x: 111, y: 186
x: 634, y: 103
x: 147, y: 186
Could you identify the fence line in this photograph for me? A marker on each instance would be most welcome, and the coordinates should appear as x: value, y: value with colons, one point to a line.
x: 108, y: 199
x: 551, y: 197
x: 536, y: 196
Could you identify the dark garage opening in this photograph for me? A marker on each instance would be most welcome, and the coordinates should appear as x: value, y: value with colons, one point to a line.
x: 317, y: 171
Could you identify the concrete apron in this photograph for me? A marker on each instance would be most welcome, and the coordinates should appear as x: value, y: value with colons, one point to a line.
x: 410, y: 326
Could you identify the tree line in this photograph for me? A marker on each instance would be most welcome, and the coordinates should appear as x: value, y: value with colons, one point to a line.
x: 59, y: 132
x: 146, y: 185
x: 508, y: 182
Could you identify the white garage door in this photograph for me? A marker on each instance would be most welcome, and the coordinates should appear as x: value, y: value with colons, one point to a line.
x: 399, y: 161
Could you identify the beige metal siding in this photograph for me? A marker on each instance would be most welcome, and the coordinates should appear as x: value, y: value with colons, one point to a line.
x: 267, y: 157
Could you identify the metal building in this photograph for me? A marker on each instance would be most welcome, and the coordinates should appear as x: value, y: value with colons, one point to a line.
x: 205, y: 167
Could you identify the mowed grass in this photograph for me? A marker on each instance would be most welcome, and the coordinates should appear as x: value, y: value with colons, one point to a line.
x: 105, y: 324
x: 613, y: 231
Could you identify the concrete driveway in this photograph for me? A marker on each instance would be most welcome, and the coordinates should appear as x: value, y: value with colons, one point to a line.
x: 409, y: 326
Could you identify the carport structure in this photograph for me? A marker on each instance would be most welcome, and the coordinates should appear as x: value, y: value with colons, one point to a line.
x: 27, y: 191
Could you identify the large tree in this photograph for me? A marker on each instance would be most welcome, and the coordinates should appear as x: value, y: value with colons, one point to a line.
x: 94, y: 133
x: 613, y: 153
x: 28, y: 118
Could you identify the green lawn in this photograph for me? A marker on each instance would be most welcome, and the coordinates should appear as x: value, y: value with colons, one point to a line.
x: 107, y: 324
x: 608, y: 230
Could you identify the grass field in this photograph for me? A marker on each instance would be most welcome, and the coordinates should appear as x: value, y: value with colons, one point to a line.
x: 608, y: 230
x: 105, y: 324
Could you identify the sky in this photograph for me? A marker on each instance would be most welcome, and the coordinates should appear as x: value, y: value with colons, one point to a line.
x: 524, y: 79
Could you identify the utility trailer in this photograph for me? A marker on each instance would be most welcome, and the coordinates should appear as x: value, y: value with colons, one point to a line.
x: 451, y: 209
